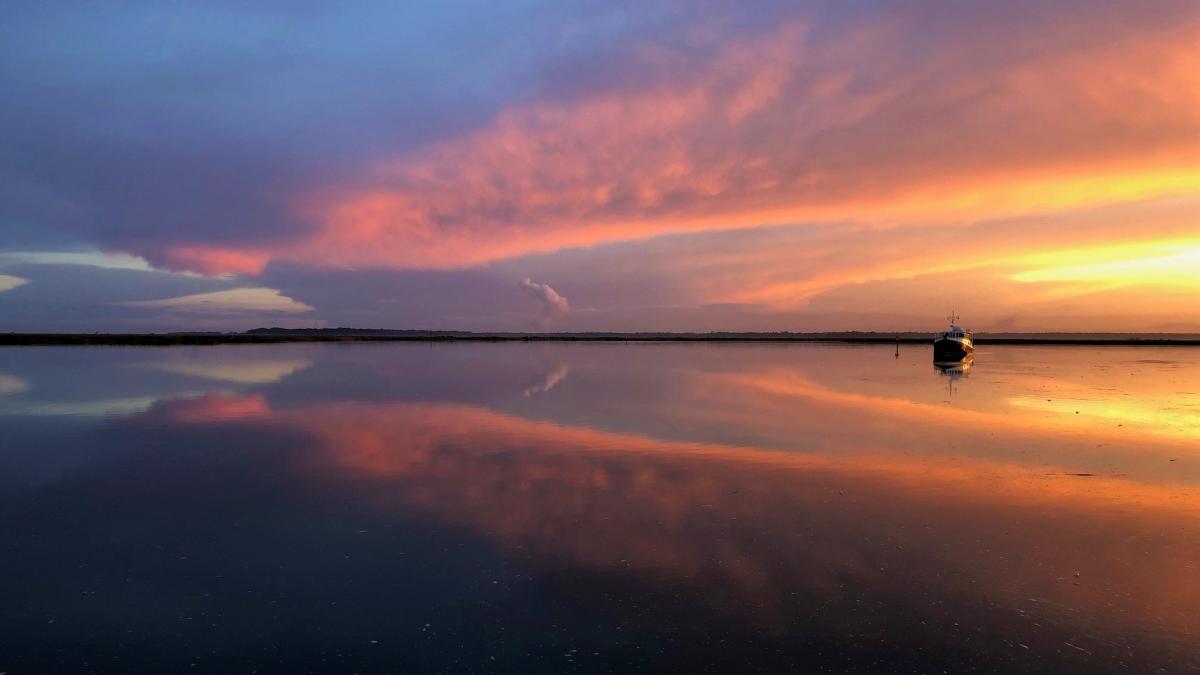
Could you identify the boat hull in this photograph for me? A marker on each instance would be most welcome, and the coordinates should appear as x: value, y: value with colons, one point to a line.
x: 950, y: 349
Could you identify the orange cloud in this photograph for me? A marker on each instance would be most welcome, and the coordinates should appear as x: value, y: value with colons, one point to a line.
x: 1117, y: 267
x: 1060, y: 129
x: 776, y: 129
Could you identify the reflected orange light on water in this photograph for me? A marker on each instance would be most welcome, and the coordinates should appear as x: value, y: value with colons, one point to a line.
x: 616, y: 501
x: 1179, y: 418
x: 764, y: 473
x: 1153, y: 418
x: 398, y: 439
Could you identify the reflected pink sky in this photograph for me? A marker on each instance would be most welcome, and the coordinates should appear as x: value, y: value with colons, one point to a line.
x: 757, y: 469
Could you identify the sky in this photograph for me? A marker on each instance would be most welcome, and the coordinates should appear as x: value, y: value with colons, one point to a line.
x: 616, y: 165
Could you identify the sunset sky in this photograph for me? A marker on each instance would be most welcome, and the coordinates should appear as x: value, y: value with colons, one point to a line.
x: 614, y: 165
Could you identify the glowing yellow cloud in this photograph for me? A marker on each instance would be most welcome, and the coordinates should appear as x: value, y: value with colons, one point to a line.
x: 1013, y: 266
x: 1168, y: 263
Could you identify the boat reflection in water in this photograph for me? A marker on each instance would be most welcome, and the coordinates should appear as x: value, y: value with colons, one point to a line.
x: 955, y: 369
x: 640, y: 507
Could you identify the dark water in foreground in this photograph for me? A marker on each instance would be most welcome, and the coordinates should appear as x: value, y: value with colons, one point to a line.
x: 598, y: 508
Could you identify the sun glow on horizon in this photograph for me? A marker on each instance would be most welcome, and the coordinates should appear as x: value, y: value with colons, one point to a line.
x: 1166, y: 263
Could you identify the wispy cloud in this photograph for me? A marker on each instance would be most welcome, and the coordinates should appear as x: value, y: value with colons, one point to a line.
x: 88, y: 258
x: 543, y: 293
x: 238, y: 300
x: 9, y: 282
x: 783, y: 128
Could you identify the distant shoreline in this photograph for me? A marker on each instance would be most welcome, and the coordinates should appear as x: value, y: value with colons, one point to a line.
x: 279, y: 336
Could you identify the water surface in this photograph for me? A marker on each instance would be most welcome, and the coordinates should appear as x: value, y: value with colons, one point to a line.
x: 380, y: 508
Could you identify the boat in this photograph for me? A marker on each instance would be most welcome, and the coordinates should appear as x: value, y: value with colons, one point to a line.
x: 953, y: 344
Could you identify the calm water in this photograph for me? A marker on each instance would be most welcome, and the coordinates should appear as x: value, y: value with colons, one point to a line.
x: 598, y: 507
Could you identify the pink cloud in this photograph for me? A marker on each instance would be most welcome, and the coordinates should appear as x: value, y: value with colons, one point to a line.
x: 215, y: 260
x: 1040, y: 112
x: 774, y: 129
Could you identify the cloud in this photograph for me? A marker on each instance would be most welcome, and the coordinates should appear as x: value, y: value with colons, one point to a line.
x: 89, y: 297
x: 109, y: 407
x: 806, y: 277
x: 89, y: 258
x: 762, y: 165
x: 238, y: 300
x: 475, y: 299
x: 789, y: 127
x: 213, y: 260
x: 183, y: 133
x: 9, y: 282
x: 676, y: 120
x: 550, y: 299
